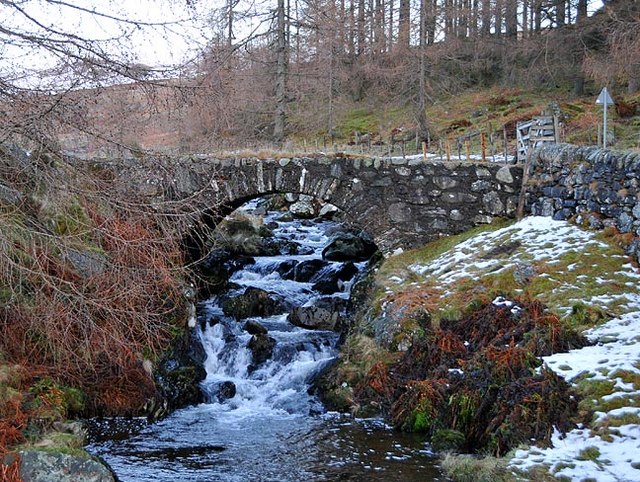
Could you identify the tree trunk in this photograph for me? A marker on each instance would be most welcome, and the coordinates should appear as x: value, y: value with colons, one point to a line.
x: 404, y: 23
x: 485, y: 12
x: 582, y: 10
x: 390, y: 25
x: 379, y: 41
x: 499, y: 15
x: 230, y: 6
x: 361, y: 26
x: 421, y: 116
x: 281, y: 74
x: 432, y: 14
x: 561, y: 12
x: 538, y: 10
x: 511, y: 18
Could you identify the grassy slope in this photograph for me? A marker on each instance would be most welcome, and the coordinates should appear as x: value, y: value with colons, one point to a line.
x: 488, y: 110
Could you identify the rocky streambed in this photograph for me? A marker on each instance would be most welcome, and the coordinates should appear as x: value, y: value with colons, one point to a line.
x: 275, y: 289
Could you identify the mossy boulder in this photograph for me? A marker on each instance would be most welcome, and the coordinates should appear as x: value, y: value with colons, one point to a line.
x: 253, y: 302
x: 51, y: 466
x: 349, y: 246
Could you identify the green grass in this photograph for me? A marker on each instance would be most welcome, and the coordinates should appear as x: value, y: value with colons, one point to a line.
x: 362, y: 120
x: 398, y: 265
x: 466, y: 468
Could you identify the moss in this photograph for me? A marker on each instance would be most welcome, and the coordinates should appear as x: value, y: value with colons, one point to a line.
x: 589, y: 453
x: 627, y: 400
x: 619, y: 421
x: 72, y: 220
x: 52, y: 402
x: 579, y: 276
x: 397, y: 265
x: 447, y: 440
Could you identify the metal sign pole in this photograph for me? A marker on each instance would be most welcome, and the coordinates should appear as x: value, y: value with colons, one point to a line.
x: 605, y: 100
x: 604, y: 125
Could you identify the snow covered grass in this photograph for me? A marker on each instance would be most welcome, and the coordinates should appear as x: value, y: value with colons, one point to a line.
x: 588, y: 281
x: 557, y: 262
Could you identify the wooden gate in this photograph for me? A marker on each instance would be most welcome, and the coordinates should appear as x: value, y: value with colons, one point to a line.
x: 540, y: 130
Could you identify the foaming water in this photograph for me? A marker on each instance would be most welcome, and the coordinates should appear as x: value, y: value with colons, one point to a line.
x: 272, y: 429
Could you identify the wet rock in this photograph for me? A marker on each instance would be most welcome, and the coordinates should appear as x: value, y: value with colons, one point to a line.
x: 180, y: 372
x: 328, y: 211
x: 285, y: 269
x: 328, y: 286
x: 333, y: 281
x: 223, y: 391
x: 241, y: 236
x: 285, y: 218
x: 303, y: 208
x: 254, y: 328
x: 306, y: 270
x: 288, y: 247
x: 314, y: 318
x: 41, y: 466
x: 348, y: 246
x: 216, y: 269
x: 261, y: 347
x: 253, y: 302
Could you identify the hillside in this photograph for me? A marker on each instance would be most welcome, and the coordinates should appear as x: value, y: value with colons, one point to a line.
x: 164, y: 122
x: 482, y: 287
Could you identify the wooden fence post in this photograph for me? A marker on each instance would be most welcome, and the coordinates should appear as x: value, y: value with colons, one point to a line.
x: 483, y: 146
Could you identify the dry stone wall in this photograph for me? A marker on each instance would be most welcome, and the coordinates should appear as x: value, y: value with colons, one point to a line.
x: 597, y: 186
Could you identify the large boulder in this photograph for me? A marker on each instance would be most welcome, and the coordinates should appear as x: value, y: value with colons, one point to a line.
x: 303, y: 208
x: 253, y: 302
x: 216, y: 269
x: 305, y: 271
x: 333, y: 281
x: 261, y: 347
x: 245, y: 235
x: 315, y: 317
x: 349, y: 246
x: 179, y: 374
x: 43, y: 466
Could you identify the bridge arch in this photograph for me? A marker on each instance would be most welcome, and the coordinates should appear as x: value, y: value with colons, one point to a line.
x: 401, y: 203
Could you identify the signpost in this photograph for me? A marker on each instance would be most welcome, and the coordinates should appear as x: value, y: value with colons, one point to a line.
x: 605, y: 100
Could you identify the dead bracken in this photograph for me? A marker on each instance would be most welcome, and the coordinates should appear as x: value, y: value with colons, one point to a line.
x: 475, y: 384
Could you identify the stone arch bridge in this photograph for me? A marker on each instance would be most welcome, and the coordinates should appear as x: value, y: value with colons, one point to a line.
x: 401, y: 203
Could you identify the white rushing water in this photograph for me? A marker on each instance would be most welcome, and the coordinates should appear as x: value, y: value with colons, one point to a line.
x: 272, y: 429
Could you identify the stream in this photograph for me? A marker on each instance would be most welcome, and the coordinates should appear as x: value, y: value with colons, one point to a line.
x: 269, y: 428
